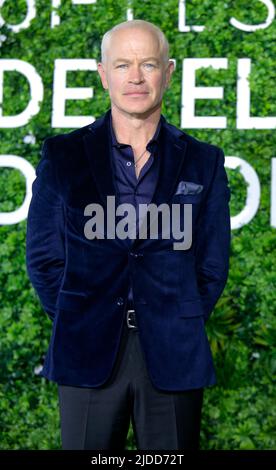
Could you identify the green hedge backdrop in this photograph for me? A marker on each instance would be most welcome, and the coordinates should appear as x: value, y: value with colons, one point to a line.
x: 238, y: 413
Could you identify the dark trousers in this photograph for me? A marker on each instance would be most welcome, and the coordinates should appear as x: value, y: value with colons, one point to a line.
x: 99, y: 418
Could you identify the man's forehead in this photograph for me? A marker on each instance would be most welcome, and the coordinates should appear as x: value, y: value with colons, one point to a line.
x: 137, y: 44
x: 133, y: 32
x: 131, y: 50
x: 129, y: 59
x: 133, y: 40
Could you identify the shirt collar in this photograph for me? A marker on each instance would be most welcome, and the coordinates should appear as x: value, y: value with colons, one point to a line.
x: 115, y: 143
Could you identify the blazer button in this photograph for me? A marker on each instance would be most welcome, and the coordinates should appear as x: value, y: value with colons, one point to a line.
x: 136, y: 255
x: 120, y: 301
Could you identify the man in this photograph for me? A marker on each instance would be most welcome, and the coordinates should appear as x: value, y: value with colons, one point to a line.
x: 129, y: 313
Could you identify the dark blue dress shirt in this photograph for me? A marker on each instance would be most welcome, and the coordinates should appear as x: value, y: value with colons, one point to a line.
x: 131, y: 189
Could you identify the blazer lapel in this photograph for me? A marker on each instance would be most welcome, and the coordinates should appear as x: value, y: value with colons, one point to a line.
x: 172, y: 153
x: 96, y: 145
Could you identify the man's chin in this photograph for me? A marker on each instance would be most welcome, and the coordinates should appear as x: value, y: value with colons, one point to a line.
x: 137, y: 110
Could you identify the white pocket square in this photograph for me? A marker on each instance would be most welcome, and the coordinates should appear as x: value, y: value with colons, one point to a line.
x: 188, y: 187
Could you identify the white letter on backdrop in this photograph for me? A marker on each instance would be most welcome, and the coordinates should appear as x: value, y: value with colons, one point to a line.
x: 190, y: 93
x: 244, y: 120
x: 253, y: 191
x: 61, y: 93
x: 182, y: 19
x: 13, y: 161
x: 55, y: 19
x: 36, y: 90
x: 273, y: 193
x: 249, y: 28
x: 31, y: 13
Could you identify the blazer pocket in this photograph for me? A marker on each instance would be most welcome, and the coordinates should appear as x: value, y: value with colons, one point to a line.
x: 188, y: 187
x: 73, y: 301
x: 190, y: 308
x: 186, y: 198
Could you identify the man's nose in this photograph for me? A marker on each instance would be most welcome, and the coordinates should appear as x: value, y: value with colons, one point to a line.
x: 136, y: 75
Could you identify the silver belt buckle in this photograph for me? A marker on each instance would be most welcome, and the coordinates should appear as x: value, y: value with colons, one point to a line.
x: 128, y: 319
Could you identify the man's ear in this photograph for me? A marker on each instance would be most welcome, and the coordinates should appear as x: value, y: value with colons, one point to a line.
x: 170, y: 70
x: 102, y: 73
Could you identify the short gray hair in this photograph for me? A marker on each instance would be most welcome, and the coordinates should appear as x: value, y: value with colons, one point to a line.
x: 146, y: 25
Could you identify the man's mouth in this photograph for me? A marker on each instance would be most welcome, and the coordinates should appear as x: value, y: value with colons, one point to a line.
x: 137, y: 93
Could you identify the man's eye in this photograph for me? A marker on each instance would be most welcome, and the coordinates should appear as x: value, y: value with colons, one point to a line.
x: 148, y: 65
x: 121, y: 65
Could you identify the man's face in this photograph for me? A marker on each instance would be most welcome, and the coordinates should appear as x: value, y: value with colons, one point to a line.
x: 134, y: 73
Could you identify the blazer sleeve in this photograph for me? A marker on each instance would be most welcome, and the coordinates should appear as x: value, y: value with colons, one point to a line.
x: 45, y: 240
x: 213, y: 239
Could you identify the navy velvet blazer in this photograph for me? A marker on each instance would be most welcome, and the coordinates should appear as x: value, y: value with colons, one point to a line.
x: 83, y: 284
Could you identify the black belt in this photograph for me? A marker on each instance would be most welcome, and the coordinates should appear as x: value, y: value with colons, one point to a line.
x: 131, y: 318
